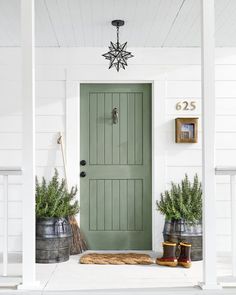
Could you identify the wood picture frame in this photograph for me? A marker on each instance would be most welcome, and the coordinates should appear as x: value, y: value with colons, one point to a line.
x: 186, y: 130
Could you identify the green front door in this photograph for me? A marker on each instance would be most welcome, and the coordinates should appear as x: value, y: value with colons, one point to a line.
x: 116, y: 198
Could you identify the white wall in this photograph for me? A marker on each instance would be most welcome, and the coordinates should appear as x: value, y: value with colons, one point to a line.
x: 176, y: 73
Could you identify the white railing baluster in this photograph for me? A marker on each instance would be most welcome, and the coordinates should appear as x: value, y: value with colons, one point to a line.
x: 233, y: 223
x: 5, y: 172
x: 230, y: 281
x: 5, y: 224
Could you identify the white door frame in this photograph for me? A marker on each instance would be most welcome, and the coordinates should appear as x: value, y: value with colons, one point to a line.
x: 73, y: 138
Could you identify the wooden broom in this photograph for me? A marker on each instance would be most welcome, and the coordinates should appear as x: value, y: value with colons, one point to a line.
x: 78, y: 243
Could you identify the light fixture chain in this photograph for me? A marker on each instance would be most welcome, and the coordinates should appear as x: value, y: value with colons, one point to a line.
x: 117, y: 34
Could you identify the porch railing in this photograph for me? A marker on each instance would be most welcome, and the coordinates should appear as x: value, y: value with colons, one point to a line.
x: 5, y: 172
x: 231, y: 172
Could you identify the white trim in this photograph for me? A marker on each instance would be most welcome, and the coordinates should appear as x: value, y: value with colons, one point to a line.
x: 225, y: 170
x: 233, y: 223
x: 73, y: 94
x: 158, y: 155
x: 73, y: 134
x: 5, y: 225
x: 208, y: 145
x: 28, y: 99
x: 10, y: 171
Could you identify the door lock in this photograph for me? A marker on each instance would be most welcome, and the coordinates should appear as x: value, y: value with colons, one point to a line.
x: 83, y: 162
x: 82, y: 174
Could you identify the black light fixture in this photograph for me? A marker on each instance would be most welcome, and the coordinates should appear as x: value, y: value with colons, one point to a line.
x: 117, y: 54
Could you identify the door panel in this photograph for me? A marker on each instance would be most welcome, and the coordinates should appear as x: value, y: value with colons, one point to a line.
x: 116, y: 192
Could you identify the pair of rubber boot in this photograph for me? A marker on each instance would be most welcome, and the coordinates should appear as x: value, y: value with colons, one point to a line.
x: 169, y: 255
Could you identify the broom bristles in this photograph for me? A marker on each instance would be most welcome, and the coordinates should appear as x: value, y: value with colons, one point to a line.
x: 78, y: 244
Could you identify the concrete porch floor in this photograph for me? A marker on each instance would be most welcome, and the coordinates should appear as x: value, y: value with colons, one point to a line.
x: 73, y: 277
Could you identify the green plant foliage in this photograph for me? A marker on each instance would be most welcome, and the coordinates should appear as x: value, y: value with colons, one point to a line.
x: 54, y: 200
x: 182, y: 201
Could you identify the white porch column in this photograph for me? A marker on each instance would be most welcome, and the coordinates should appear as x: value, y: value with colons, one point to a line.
x: 208, y: 145
x: 28, y: 99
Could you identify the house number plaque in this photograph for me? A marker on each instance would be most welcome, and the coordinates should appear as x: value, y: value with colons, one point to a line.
x: 185, y: 105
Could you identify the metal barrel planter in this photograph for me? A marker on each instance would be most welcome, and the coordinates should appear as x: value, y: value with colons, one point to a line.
x: 53, y: 239
x: 179, y: 231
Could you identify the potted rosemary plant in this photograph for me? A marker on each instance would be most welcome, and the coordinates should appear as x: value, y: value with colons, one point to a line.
x: 182, y: 208
x: 54, y: 205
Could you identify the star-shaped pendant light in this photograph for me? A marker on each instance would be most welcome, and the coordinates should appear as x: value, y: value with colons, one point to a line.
x: 117, y: 54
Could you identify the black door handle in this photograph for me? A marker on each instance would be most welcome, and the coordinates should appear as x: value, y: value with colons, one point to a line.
x: 83, y: 162
x: 82, y: 174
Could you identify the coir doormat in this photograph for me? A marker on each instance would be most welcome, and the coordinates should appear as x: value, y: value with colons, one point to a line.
x: 116, y: 259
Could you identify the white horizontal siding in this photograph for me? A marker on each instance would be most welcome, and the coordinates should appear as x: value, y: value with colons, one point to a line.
x: 223, y: 226
x: 50, y: 106
x: 176, y: 173
x: 50, y: 89
x: 184, y: 85
x: 13, y: 141
x: 48, y: 172
x: 183, y: 89
x: 223, y: 243
x: 226, y: 88
x: 226, y: 140
x: 47, y: 141
x: 11, y: 158
x: 10, y: 90
x: 226, y: 124
x: 181, y: 70
x: 10, y: 124
x: 10, y: 141
x: 49, y: 124
x: 50, y: 119
x: 49, y: 157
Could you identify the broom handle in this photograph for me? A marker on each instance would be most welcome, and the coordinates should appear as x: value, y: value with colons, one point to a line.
x: 60, y: 141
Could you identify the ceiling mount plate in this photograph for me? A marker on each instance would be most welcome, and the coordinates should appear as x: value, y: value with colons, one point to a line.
x: 117, y: 23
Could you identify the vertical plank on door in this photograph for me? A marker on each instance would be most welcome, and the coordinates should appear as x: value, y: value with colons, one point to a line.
x: 108, y: 129
x: 123, y: 205
x: 93, y: 128
x: 116, y: 131
x: 108, y: 205
x: 123, y: 129
x: 138, y: 204
x: 100, y: 128
x: 116, y: 204
x: 131, y: 139
x: 138, y: 110
x: 100, y: 204
x: 93, y: 204
x: 131, y: 201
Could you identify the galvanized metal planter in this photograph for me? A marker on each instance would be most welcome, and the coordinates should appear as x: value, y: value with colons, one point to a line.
x: 179, y: 231
x: 53, y: 239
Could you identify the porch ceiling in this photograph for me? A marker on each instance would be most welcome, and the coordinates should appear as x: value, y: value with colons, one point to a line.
x: 149, y: 23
